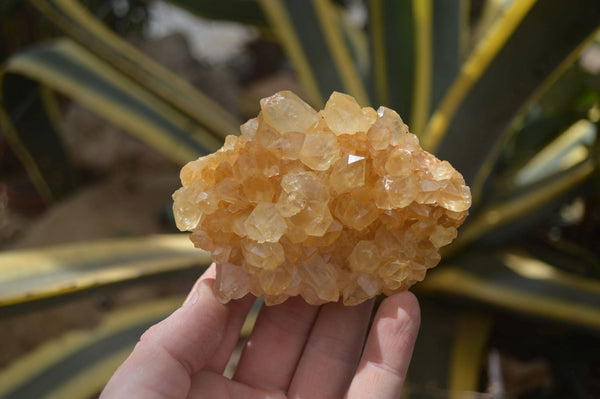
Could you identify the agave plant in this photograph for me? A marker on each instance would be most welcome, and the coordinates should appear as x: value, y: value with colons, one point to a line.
x: 510, y: 107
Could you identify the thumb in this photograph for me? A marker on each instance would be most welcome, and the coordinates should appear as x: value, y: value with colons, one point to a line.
x: 171, y: 351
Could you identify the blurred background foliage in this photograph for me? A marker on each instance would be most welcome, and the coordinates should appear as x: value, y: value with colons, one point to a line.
x: 101, y: 103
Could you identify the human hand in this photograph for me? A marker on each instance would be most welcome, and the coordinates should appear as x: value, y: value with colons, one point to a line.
x: 295, y: 350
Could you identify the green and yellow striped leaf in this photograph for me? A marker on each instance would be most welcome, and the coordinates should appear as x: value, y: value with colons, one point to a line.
x: 555, y: 117
x: 513, y: 279
x: 525, y: 50
x: 70, y: 69
x: 33, y: 110
x: 525, y: 206
x: 449, y: 46
x: 79, y: 363
x: 79, y: 24
x: 567, y: 254
x: 392, y: 32
x: 568, y: 149
x: 311, y: 34
x: 448, y: 355
x: 416, y: 49
x: 31, y: 274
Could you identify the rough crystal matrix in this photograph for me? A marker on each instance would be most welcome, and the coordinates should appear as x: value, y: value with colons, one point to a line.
x: 340, y: 202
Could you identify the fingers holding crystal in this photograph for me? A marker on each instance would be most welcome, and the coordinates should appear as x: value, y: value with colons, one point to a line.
x: 276, y: 344
x: 384, y: 363
x: 238, y: 310
x: 332, y: 351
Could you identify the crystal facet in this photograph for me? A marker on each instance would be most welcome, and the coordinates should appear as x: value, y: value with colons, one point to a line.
x: 340, y: 203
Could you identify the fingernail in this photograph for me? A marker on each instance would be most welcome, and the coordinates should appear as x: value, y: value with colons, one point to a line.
x: 192, y: 297
x: 194, y: 294
x: 204, y: 289
x: 200, y: 291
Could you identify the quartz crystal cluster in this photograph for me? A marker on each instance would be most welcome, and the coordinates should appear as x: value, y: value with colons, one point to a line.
x: 341, y: 202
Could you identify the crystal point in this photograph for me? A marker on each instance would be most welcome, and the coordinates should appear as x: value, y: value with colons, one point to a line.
x: 286, y: 112
x: 344, y: 116
x: 265, y: 224
x: 320, y: 150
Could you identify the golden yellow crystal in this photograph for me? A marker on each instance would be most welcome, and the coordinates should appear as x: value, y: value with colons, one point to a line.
x: 337, y: 203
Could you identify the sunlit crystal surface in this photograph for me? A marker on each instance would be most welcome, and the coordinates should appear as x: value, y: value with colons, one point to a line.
x: 340, y: 203
x: 320, y: 150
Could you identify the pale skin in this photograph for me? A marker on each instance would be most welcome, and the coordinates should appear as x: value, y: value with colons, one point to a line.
x: 295, y: 350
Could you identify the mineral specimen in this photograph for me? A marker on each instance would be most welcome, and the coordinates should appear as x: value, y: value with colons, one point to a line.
x: 340, y: 202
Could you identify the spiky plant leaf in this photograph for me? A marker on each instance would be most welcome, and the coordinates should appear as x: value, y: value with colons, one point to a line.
x: 416, y: 51
x: 514, y: 280
x: 43, y: 155
x: 311, y: 34
x: 78, y: 363
x: 70, y: 69
x: 79, y: 24
x: 448, y: 353
x: 530, y: 44
x: 31, y: 274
